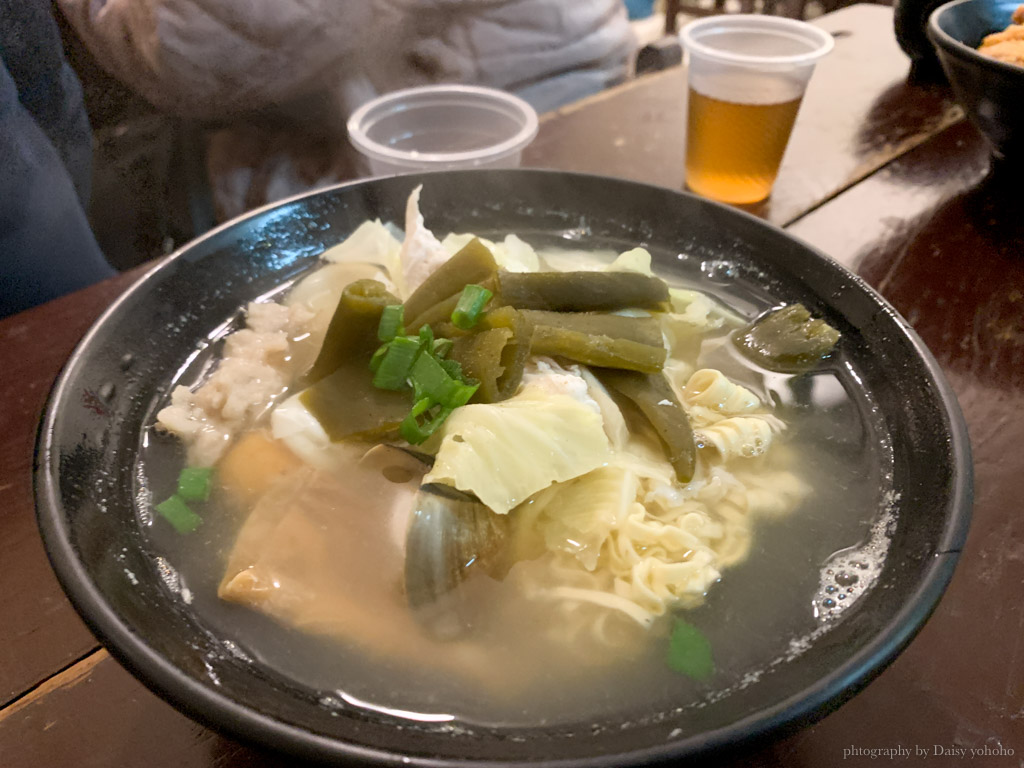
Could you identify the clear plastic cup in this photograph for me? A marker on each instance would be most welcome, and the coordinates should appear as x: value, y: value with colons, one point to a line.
x: 747, y: 76
x: 442, y: 127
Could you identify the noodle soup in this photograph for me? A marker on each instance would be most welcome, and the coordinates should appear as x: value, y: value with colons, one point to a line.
x: 302, y: 556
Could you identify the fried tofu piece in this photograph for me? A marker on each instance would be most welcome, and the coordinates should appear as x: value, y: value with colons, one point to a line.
x: 252, y: 465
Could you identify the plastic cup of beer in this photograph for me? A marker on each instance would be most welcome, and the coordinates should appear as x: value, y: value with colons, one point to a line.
x: 747, y: 77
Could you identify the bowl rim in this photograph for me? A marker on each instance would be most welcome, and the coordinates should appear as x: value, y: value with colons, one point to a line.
x: 220, y: 712
x: 940, y: 38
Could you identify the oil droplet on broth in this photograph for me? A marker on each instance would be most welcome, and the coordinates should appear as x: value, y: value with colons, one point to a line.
x: 837, y: 574
x: 845, y: 579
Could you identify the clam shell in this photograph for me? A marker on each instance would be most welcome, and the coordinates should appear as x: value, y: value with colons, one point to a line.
x: 451, y: 536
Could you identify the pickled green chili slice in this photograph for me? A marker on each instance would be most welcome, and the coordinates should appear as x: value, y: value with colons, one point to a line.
x: 474, y: 263
x: 176, y: 512
x: 352, y: 333
x: 496, y: 356
x: 657, y: 402
x: 516, y: 352
x: 195, y: 483
x: 391, y: 320
x: 601, y: 339
x: 480, y: 356
x: 787, y: 340
x: 439, y: 316
x: 470, y: 306
x: 503, y: 317
x: 643, y: 330
x: 349, y: 407
x: 582, y: 291
x: 603, y: 351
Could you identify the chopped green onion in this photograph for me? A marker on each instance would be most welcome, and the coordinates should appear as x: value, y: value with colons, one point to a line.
x: 393, y: 371
x: 422, y: 405
x: 410, y: 427
x: 415, y: 433
x: 427, y: 335
x: 195, y: 483
x: 471, y: 305
x: 378, y: 356
x: 462, y: 393
x: 442, y: 347
x: 438, y: 385
x: 177, y: 513
x: 689, y: 652
x: 430, y: 379
x: 391, y: 319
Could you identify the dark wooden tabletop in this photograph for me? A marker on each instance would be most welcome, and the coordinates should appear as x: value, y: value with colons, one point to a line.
x: 884, y: 176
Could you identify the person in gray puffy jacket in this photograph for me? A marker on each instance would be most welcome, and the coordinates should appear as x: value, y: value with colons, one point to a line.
x: 214, y: 59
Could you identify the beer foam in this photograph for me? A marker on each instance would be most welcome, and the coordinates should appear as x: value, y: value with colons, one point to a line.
x: 747, y: 87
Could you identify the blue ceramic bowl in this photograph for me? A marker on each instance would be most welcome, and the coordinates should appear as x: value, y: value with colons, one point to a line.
x: 990, y: 91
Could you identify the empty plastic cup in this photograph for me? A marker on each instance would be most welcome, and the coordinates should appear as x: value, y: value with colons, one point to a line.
x: 747, y: 76
x: 442, y: 127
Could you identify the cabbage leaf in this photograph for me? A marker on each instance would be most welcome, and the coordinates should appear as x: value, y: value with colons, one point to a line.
x: 505, y: 452
x: 511, y: 254
x: 372, y: 243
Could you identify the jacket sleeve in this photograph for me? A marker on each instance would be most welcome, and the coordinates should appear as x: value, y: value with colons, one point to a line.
x: 46, y: 246
x: 217, y: 58
x: 548, y: 51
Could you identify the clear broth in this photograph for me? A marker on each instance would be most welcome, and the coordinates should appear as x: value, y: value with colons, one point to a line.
x: 760, y: 612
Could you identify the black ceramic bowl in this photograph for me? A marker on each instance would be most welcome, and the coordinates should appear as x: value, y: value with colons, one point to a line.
x: 990, y: 91
x: 86, y: 486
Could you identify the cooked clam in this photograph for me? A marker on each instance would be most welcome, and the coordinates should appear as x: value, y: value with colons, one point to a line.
x: 451, y: 535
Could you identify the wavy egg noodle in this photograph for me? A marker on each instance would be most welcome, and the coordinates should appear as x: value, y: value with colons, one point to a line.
x: 591, y: 617
x: 658, y: 584
x: 712, y: 389
x: 589, y: 508
x: 734, y: 544
x: 600, y: 521
x: 739, y: 437
x: 773, y: 494
x: 663, y: 544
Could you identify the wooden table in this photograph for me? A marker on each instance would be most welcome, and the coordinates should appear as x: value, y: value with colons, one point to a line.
x: 885, y: 177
